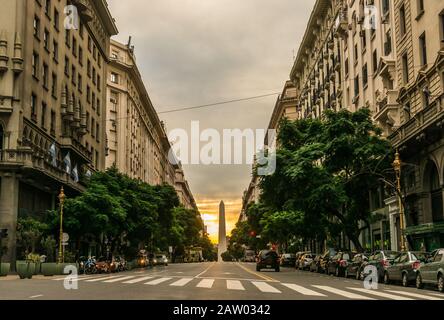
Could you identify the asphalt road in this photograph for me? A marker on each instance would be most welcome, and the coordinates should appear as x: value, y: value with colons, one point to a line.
x: 207, y: 281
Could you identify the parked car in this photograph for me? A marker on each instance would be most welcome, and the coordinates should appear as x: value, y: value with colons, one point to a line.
x: 404, y: 267
x: 314, y: 265
x: 432, y: 272
x: 103, y: 265
x: 338, y: 263
x: 267, y: 259
x: 160, y: 260
x: 305, y: 261
x: 298, y: 256
x: 380, y: 259
x: 356, y: 265
x: 325, y: 258
x: 288, y: 259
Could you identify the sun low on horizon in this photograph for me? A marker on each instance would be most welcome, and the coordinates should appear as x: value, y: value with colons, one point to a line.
x: 209, y: 210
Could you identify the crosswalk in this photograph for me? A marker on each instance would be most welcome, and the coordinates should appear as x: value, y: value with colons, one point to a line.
x: 266, y: 287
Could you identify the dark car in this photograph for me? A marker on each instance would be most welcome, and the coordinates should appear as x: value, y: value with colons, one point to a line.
x: 404, y: 267
x: 355, y: 267
x: 338, y: 263
x: 325, y: 258
x: 314, y: 265
x: 380, y: 259
x: 432, y: 272
x: 267, y: 259
x: 288, y: 259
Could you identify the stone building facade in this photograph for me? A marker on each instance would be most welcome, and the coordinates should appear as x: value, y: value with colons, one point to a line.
x: 385, y: 55
x: 52, y: 97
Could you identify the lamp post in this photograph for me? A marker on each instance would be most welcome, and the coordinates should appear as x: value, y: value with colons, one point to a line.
x: 397, y: 168
x: 62, y: 201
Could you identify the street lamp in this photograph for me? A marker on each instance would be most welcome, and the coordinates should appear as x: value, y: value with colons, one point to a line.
x: 62, y: 201
x: 397, y: 167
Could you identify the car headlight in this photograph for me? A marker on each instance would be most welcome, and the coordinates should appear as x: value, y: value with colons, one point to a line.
x: 155, y: 261
x: 166, y: 260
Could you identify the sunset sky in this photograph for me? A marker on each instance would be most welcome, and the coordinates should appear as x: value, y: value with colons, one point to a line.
x: 195, y: 52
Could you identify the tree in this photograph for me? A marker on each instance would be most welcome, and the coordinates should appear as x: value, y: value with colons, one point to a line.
x: 325, y: 170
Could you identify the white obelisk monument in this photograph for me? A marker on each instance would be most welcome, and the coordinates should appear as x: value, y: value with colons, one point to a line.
x: 222, y: 246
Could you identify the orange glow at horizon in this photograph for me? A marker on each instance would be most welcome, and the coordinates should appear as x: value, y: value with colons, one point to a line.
x: 209, y: 209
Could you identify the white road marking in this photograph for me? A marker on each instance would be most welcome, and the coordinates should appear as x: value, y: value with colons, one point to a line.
x: 302, y: 290
x: 138, y: 280
x: 119, y: 279
x: 234, y: 285
x: 181, y: 282
x: 414, y: 295
x: 343, y: 293
x: 157, y: 281
x: 265, y: 287
x: 206, y: 283
x: 102, y: 278
x: 380, y: 294
x: 36, y: 296
x: 204, y: 271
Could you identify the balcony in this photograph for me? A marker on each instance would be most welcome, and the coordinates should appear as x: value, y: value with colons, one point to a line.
x: 67, y: 143
x: 341, y: 24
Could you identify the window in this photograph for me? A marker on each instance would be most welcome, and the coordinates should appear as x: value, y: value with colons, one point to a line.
x: 97, y: 132
x: 80, y: 82
x: 423, y: 49
x: 54, y: 85
x: 73, y: 75
x: 93, y: 126
x: 74, y: 47
x: 81, y: 29
x: 87, y: 121
x: 93, y: 98
x: 375, y: 61
x: 364, y: 39
x: 388, y: 44
x: 35, y: 65
x: 88, y: 68
x: 94, y: 75
x: 33, y: 105
x: 53, y: 121
x: 56, y: 19
x: 81, y: 56
x: 88, y: 94
x: 67, y: 38
x: 43, y: 116
x: 405, y: 68
x: 45, y: 75
x: 441, y: 18
x: 356, y: 54
x: 346, y: 67
x: 55, y: 51
x: 89, y: 44
x: 365, y: 76
x: 97, y: 159
x: 98, y: 106
x: 402, y: 20
x: 36, y: 27
x: 48, y: 7
x: 420, y: 5
x: 385, y: 6
x: 357, y: 86
x: 46, y: 40
x: 99, y: 61
x: 114, y: 77
x: 94, y: 52
x: 98, y: 82
x: 67, y: 66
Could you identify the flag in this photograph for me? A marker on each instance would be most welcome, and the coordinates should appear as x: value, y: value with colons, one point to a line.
x: 67, y: 162
x: 53, y: 154
x: 75, y: 174
x: 88, y: 174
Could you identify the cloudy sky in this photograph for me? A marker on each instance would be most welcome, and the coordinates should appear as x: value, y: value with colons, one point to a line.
x: 196, y: 52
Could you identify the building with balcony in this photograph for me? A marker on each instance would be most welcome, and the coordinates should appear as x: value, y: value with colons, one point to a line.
x: 137, y: 143
x: 52, y: 93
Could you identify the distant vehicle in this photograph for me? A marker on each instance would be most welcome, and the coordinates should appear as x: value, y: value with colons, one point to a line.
x: 404, y: 267
x: 298, y: 256
x: 380, y: 259
x: 193, y: 254
x: 305, y: 261
x: 288, y: 259
x: 160, y: 260
x: 325, y: 258
x: 268, y: 259
x: 314, y: 265
x: 250, y: 256
x: 432, y: 272
x: 103, y: 265
x: 338, y: 263
x: 355, y: 267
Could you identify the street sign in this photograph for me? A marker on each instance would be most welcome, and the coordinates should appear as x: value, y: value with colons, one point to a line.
x: 65, y: 237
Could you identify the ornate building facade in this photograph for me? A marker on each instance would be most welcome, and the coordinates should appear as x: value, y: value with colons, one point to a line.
x: 53, y: 62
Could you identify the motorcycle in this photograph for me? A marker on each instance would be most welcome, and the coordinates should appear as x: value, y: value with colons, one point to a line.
x: 90, y: 266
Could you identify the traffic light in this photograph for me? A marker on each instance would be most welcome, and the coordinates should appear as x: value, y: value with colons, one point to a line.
x: 3, y: 233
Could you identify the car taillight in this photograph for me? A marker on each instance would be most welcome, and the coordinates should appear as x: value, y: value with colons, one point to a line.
x: 416, y: 265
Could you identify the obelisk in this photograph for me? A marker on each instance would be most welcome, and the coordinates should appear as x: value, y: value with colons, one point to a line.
x: 222, y: 246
